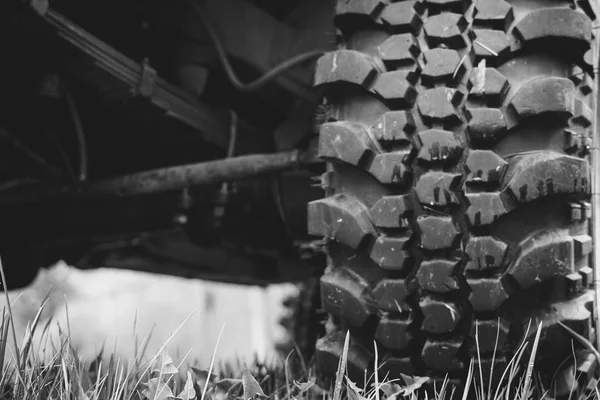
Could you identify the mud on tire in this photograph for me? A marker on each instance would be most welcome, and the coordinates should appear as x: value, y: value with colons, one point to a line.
x: 458, y: 183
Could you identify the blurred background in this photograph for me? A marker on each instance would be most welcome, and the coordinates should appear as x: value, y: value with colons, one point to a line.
x: 104, y: 306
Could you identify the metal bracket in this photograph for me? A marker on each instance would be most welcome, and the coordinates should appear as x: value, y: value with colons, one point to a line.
x: 147, y: 79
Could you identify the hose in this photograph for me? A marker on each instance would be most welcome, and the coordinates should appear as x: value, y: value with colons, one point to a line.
x: 264, y: 79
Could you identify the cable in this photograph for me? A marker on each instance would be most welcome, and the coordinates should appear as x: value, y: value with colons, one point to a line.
x: 264, y: 79
x: 81, y: 141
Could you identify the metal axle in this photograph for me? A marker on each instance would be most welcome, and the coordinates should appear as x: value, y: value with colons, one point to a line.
x: 171, y: 178
x: 205, y: 173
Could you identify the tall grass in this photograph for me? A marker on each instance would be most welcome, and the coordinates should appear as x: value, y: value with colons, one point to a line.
x: 66, y: 376
x: 24, y: 375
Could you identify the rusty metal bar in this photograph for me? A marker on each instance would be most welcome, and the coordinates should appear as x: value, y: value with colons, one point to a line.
x: 206, y: 173
x: 170, y: 178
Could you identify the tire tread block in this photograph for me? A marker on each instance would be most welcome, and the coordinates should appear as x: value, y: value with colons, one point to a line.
x: 347, y: 66
x: 443, y: 355
x: 583, y: 245
x: 485, y: 208
x: 544, y: 95
x: 534, y: 175
x: 403, y: 17
x: 437, y: 232
x: 446, y: 29
x: 439, y: 316
x: 488, y: 84
x: 487, y: 294
x: 391, y: 211
x: 397, y: 86
x: 491, y: 45
x: 544, y: 255
x: 390, y: 294
x: 394, y: 333
x: 390, y: 253
x: 496, y: 14
x: 399, y: 50
x: 438, y: 275
x: 394, y: 126
x: 486, y: 124
x: 391, y: 169
x: 347, y: 295
x: 485, y: 253
x: 346, y: 141
x: 438, y: 146
x: 342, y: 218
x: 441, y: 65
x: 437, y: 189
x: 484, y: 166
x: 439, y: 105
x: 548, y: 23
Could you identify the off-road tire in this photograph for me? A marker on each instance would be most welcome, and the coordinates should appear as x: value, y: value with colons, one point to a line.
x: 303, y: 322
x: 458, y: 184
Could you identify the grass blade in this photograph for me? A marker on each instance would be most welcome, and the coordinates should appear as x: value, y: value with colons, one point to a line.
x: 376, y: 371
x: 339, y: 378
x: 212, y: 363
x: 468, y: 381
x: 583, y: 341
x: 28, y: 340
x: 531, y: 363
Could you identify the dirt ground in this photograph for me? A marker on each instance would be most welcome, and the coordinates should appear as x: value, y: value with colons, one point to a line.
x: 104, y: 305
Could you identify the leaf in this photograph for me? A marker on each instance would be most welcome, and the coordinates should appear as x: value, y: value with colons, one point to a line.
x: 412, y: 384
x: 305, y: 386
x: 252, y: 389
x: 352, y: 395
x: 354, y: 392
x: 157, y: 390
x: 201, y: 381
x: 202, y: 375
x: 188, y: 392
x: 166, y: 365
x: 391, y: 389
